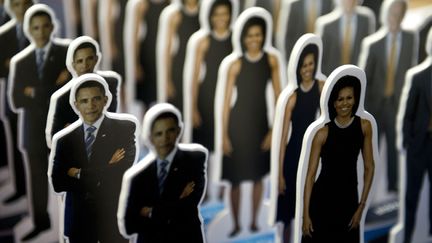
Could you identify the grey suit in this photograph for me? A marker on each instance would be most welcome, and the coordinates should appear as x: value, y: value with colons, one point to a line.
x: 385, y: 109
x: 332, y: 43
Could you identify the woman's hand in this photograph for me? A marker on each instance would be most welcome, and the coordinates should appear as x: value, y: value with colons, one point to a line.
x: 307, y: 226
x: 282, y: 185
x: 355, y: 221
x: 266, y: 143
x: 227, y: 147
x: 196, y: 118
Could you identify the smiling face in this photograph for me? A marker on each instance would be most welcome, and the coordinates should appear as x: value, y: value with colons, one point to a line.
x: 345, y: 102
x: 41, y: 29
x: 308, y: 67
x: 84, y: 61
x: 220, y: 18
x: 254, y: 39
x: 164, y: 135
x: 90, y: 102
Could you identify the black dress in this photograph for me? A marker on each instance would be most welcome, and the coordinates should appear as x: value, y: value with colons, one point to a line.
x: 189, y: 25
x: 334, y: 197
x: 146, y: 87
x: 303, y: 114
x: 118, y: 62
x: 248, y: 124
x: 217, y: 51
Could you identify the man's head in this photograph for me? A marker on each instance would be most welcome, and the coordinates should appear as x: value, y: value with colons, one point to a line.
x: 18, y: 8
x: 40, y: 27
x: 85, y: 58
x: 90, y: 100
x: 165, y: 130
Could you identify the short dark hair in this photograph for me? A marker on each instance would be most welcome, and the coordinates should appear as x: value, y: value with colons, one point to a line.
x: 308, y: 49
x: 85, y: 45
x: 90, y: 84
x: 40, y: 13
x: 345, y: 81
x: 253, y: 22
x: 216, y: 4
x: 166, y: 115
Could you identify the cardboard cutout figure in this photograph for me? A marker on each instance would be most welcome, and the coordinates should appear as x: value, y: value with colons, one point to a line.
x: 298, y: 18
x: 385, y: 57
x: 90, y: 17
x: 83, y: 56
x: 12, y: 41
x: 249, y: 82
x: 141, y: 28
x: 36, y: 72
x: 332, y: 207
x: 88, y: 159
x: 342, y: 32
x: 177, y: 23
x: 413, y: 140
x: 297, y: 107
x: 4, y: 15
x: 161, y: 194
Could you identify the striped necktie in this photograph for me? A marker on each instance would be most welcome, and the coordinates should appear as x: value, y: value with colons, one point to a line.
x: 40, y: 62
x: 163, y: 172
x: 90, y: 138
x: 390, y: 76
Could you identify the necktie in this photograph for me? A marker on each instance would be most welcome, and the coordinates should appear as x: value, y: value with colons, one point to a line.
x: 312, y: 15
x: 346, y: 47
x: 391, y: 61
x: 22, y: 40
x: 90, y: 138
x: 40, y: 62
x: 163, y: 172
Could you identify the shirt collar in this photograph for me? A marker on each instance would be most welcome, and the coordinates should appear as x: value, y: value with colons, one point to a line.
x: 169, y: 158
x: 96, y: 124
x: 45, y: 49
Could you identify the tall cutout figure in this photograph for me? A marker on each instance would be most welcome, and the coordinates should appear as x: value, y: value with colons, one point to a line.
x: 297, y: 107
x: 12, y: 41
x: 83, y: 57
x: 342, y: 32
x: 177, y: 23
x: 414, y: 137
x: 334, y: 205
x: 36, y: 73
x: 243, y: 112
x: 88, y: 159
x: 385, y: 57
x: 161, y: 194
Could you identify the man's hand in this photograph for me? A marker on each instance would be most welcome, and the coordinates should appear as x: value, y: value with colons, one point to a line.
x: 189, y: 188
x: 117, y: 156
x: 73, y: 172
x: 29, y: 91
x: 146, y: 212
x: 62, y: 78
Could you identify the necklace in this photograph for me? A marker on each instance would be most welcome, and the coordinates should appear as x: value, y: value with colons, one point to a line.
x: 254, y: 59
x: 304, y: 89
x: 344, y: 125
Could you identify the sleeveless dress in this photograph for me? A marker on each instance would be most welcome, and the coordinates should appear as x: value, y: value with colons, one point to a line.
x: 334, y: 197
x: 146, y: 88
x: 217, y: 51
x: 189, y: 25
x: 248, y: 124
x: 118, y: 62
x: 303, y: 114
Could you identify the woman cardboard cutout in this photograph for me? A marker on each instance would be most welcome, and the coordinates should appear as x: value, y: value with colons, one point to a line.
x: 87, y: 162
x: 236, y: 95
x: 296, y: 108
x: 337, y: 193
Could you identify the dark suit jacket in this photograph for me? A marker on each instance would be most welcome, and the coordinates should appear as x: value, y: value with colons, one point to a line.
x: 172, y: 219
x: 418, y: 111
x: 332, y: 43
x: 297, y: 25
x: 98, y: 188
x: 64, y: 114
x: 376, y: 69
x: 36, y: 108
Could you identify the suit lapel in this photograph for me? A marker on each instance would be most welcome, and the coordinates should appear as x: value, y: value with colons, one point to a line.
x: 79, y: 141
x: 173, y: 172
x: 101, y: 139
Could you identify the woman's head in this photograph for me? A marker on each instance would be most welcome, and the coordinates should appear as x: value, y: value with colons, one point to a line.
x: 344, y: 95
x: 253, y: 33
x: 220, y: 14
x: 306, y: 67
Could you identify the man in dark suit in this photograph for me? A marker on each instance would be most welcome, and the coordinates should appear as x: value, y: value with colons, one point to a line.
x: 12, y: 41
x: 417, y: 138
x: 35, y: 74
x: 161, y: 194
x: 83, y: 57
x: 90, y: 157
x: 299, y: 20
x: 386, y: 56
x: 342, y: 32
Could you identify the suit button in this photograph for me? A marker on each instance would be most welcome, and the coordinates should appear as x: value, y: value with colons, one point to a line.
x: 98, y: 184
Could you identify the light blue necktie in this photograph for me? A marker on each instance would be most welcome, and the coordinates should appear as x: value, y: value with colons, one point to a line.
x: 90, y: 138
x: 40, y: 62
x: 163, y: 172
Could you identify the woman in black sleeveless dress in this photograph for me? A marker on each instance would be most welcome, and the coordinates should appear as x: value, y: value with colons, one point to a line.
x: 301, y: 110
x: 246, y: 133
x: 332, y: 210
